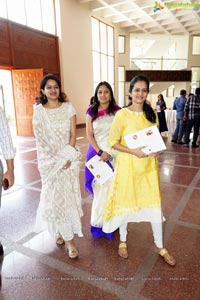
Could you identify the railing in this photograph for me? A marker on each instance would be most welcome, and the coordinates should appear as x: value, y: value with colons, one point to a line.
x: 158, y: 64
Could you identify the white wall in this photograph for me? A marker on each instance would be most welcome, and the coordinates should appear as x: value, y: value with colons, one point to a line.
x: 157, y: 49
x: 75, y: 54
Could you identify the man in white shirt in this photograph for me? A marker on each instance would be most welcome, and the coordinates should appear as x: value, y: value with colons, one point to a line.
x: 8, y: 151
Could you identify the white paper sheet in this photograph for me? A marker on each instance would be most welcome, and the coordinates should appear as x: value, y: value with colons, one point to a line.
x: 149, y: 137
x: 101, y: 171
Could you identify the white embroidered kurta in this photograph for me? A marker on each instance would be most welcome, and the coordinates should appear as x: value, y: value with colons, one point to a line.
x: 60, y: 201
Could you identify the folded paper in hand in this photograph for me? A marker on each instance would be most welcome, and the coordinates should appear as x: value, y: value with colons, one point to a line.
x: 101, y: 170
x: 150, y: 138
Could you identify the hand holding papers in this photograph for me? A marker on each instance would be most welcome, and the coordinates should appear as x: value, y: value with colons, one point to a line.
x: 101, y: 170
x: 150, y: 138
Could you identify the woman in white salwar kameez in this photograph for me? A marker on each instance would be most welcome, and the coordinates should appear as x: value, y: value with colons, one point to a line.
x: 54, y: 123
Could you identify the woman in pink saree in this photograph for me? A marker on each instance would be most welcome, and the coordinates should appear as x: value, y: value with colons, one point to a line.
x: 99, y: 117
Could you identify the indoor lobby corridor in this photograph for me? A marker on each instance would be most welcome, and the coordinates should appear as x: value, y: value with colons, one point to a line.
x: 35, y: 268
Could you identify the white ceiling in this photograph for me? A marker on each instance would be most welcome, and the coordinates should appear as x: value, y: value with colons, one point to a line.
x: 138, y: 16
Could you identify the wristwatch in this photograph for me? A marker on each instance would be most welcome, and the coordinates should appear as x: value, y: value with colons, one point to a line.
x: 99, y: 153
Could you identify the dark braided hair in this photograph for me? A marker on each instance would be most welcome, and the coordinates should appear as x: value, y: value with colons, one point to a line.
x: 148, y: 110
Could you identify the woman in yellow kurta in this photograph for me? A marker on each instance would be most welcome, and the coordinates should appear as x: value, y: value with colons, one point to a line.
x: 134, y: 195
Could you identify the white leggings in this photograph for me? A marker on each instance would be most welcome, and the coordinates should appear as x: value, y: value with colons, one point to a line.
x: 157, y: 233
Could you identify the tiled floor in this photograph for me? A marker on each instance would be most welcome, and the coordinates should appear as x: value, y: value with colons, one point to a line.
x: 35, y: 268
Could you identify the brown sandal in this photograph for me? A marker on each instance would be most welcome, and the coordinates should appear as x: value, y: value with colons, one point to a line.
x: 168, y: 258
x: 72, y: 251
x: 122, y: 251
x: 59, y: 239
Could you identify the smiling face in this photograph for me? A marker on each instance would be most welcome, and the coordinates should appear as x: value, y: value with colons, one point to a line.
x: 51, y: 90
x: 139, y: 92
x: 103, y: 95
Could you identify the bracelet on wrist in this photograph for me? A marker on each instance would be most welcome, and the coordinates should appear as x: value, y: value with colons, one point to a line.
x: 99, y: 153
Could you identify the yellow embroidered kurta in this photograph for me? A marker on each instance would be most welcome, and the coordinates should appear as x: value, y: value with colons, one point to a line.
x: 134, y: 195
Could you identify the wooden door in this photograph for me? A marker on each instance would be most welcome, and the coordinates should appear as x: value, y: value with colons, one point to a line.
x: 26, y: 86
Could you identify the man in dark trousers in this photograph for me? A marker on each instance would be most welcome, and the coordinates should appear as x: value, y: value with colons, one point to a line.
x: 179, y: 105
x: 192, y: 115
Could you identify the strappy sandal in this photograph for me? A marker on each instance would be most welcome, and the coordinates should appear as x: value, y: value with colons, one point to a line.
x: 72, y: 251
x: 59, y: 239
x: 122, y: 251
x: 168, y: 258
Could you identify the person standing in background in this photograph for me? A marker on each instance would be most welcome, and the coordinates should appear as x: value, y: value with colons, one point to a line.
x: 179, y: 105
x: 192, y: 115
x: 99, y: 118
x: 160, y: 107
x: 6, y: 144
x: 134, y: 195
x: 54, y: 124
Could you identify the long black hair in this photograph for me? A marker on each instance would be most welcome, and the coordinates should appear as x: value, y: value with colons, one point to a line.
x: 148, y: 110
x: 43, y: 99
x: 112, y: 103
x: 162, y: 97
